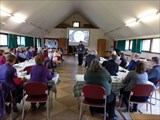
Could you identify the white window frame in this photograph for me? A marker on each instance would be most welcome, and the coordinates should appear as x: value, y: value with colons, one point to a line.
x: 2, y: 39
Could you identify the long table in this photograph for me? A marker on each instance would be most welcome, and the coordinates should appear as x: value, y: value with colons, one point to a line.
x: 20, y: 73
x: 116, y: 81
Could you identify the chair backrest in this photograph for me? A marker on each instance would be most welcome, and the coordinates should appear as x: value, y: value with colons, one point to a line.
x: 142, y: 90
x: 94, y: 92
x: 57, y: 58
x: 28, y: 69
x: 158, y: 84
x: 35, y: 88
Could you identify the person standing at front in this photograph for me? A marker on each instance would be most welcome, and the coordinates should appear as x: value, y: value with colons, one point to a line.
x: 80, y: 51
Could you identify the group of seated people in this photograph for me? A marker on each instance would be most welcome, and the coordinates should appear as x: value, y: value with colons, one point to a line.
x: 11, y: 82
x: 22, y: 54
x: 100, y: 74
x: 96, y: 73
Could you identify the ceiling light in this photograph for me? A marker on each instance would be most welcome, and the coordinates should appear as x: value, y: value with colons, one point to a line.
x: 4, y: 13
x: 18, y: 18
x: 149, y: 17
x: 132, y: 22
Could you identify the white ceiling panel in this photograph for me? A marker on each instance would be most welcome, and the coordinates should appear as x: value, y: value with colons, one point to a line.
x: 108, y: 15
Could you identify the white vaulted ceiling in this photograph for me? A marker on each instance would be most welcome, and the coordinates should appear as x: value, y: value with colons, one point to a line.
x: 108, y: 15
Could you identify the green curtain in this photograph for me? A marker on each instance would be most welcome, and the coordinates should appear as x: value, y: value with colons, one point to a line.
x: 12, y: 41
x: 28, y: 41
x: 137, y: 46
x: 121, y: 45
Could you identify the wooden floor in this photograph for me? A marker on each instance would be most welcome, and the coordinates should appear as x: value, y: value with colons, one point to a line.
x: 65, y: 107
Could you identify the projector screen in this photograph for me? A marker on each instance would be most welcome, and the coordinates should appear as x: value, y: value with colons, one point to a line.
x: 75, y: 35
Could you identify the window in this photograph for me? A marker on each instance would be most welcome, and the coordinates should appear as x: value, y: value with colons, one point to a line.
x: 18, y: 40
x: 21, y: 40
x: 127, y: 45
x: 38, y: 42
x: 155, y: 45
x: 3, y: 39
x: 76, y: 24
x: 130, y: 44
x: 146, y: 45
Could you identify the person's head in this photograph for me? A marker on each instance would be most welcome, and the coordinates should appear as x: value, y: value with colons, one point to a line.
x: 95, y: 66
x: 80, y: 42
x: 113, y: 57
x: 28, y: 48
x: 135, y: 57
x: 113, y: 52
x: 1, y: 52
x: 140, y: 67
x: 155, y: 61
x: 45, y: 53
x: 122, y: 55
x: 11, y: 59
x: 12, y: 50
x: 92, y: 52
x: 39, y: 59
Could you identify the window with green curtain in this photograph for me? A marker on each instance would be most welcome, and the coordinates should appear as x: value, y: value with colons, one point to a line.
x: 121, y: 45
x: 12, y: 41
x: 28, y: 41
x: 137, y: 46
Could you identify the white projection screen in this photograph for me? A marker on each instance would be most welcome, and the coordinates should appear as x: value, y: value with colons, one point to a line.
x: 76, y: 34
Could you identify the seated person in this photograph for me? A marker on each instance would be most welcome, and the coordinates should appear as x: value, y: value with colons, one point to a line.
x: 154, y: 73
x: 40, y: 50
x: 21, y: 55
x: 61, y: 52
x: 8, y: 76
x: 123, y: 61
x: 56, y: 53
x: 97, y: 75
x: 2, y: 57
x: 138, y: 76
x: 91, y: 56
x: 28, y: 53
x: 33, y: 52
x: 12, y: 51
x: 117, y: 53
x: 40, y: 73
x: 111, y: 66
x: 134, y: 61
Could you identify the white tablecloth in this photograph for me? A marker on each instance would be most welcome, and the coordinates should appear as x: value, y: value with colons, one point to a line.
x: 20, y: 66
x: 20, y: 73
x: 116, y: 81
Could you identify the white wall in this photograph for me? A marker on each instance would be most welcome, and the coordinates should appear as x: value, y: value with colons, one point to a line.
x: 76, y: 17
x: 95, y: 34
x: 57, y: 33
x: 144, y: 54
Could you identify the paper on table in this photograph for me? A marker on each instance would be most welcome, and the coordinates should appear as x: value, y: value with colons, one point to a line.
x: 79, y: 77
x: 116, y: 78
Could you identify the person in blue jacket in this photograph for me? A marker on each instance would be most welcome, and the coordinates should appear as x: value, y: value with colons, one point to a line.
x: 154, y: 73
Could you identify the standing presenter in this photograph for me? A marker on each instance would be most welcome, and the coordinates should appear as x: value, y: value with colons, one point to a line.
x: 80, y: 51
